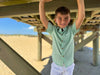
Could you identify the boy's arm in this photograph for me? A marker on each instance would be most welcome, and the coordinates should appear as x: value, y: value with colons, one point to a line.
x: 42, y: 13
x: 81, y: 13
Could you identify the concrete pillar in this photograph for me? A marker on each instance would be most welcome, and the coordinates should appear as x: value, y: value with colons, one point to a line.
x: 95, y: 50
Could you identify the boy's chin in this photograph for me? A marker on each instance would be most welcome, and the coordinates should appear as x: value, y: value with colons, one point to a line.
x: 62, y: 26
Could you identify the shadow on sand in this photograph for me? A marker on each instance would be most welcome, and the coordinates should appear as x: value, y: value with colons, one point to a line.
x: 47, y: 67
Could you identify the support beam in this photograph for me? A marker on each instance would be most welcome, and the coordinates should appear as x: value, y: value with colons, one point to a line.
x: 95, y: 12
x: 39, y: 45
x: 14, y: 61
x: 90, y: 27
x: 87, y: 40
x: 82, y: 39
x: 47, y: 39
x: 49, y: 17
x: 78, y: 38
x: 92, y: 21
x: 95, y: 50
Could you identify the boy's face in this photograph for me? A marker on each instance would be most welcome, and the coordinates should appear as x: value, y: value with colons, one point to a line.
x: 62, y: 20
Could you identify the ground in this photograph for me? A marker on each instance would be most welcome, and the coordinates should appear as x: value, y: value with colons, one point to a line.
x: 27, y: 46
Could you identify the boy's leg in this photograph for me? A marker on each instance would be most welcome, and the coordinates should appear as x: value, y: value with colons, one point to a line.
x: 55, y: 69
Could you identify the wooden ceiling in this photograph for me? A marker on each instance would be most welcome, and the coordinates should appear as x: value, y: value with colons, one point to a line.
x: 27, y: 11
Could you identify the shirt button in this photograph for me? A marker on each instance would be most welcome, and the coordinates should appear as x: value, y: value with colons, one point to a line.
x: 62, y: 40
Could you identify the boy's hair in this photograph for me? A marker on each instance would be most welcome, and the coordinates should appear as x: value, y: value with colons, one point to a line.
x: 63, y: 10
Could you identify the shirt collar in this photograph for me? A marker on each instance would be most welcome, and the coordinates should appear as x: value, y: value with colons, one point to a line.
x: 58, y: 28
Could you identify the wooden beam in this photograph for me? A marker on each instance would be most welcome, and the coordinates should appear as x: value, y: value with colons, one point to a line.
x: 3, y: 1
x: 49, y: 17
x: 92, y: 24
x: 96, y: 16
x: 47, y: 39
x: 32, y: 8
x: 27, y: 18
x: 95, y: 12
x: 37, y: 17
x: 14, y: 61
x: 96, y: 50
x: 93, y: 20
x: 82, y: 29
x: 87, y: 40
x: 34, y: 22
x: 15, y: 2
x: 78, y: 38
x: 39, y: 54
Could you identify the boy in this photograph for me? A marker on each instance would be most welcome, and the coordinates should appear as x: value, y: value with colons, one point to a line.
x: 62, y: 35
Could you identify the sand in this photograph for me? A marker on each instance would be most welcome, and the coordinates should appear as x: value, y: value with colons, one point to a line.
x: 27, y: 47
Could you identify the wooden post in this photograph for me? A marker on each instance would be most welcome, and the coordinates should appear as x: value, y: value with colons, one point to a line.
x: 95, y: 50
x: 39, y: 53
x: 82, y: 39
x: 78, y: 40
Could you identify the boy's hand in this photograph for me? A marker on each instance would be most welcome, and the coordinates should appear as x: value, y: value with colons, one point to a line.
x: 45, y: 1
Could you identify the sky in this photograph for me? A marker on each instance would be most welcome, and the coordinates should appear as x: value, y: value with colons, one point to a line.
x: 11, y: 26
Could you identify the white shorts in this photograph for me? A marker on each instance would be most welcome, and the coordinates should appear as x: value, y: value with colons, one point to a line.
x: 61, y: 70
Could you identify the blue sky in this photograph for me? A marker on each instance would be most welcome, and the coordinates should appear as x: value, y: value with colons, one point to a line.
x: 10, y: 26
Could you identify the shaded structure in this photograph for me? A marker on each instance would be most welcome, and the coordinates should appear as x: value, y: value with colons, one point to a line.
x: 27, y: 11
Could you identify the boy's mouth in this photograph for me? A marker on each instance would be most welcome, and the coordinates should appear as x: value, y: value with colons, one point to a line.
x: 62, y: 24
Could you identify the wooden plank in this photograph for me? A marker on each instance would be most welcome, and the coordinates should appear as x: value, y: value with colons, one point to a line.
x: 49, y: 17
x: 14, y: 61
x: 3, y: 1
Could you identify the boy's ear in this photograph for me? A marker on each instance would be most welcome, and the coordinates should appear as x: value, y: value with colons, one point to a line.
x: 69, y: 20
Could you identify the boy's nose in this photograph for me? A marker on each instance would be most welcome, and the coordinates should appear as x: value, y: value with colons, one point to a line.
x: 63, y: 22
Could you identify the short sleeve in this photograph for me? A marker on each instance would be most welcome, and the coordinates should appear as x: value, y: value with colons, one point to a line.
x: 50, y: 27
x: 73, y: 28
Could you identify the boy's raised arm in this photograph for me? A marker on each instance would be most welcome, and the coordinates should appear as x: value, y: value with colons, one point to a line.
x: 81, y: 13
x: 42, y: 13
